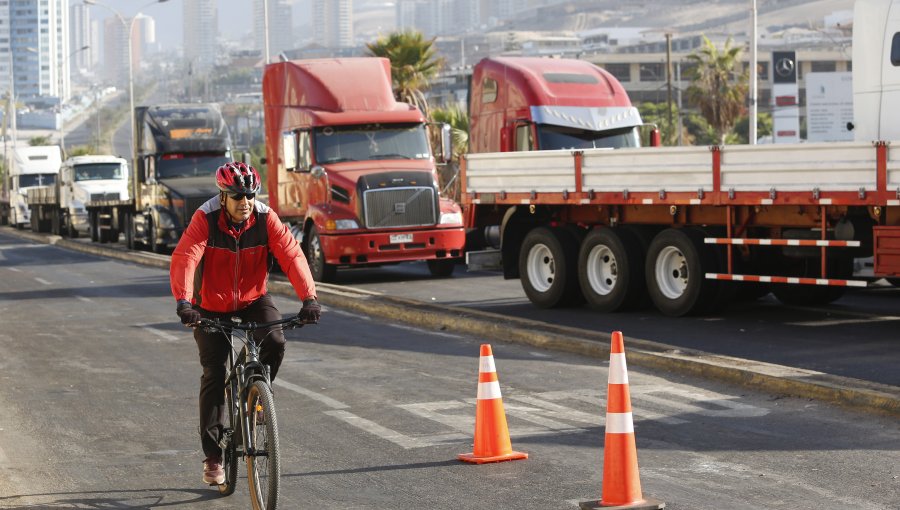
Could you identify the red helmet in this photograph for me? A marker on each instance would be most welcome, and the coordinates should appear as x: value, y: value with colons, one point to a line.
x: 238, y: 178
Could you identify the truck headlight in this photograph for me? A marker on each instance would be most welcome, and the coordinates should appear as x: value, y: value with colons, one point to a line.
x: 341, y: 225
x: 451, y: 218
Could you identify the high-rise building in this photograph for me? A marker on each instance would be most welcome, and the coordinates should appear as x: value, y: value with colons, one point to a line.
x: 280, y: 29
x: 332, y: 22
x: 200, y: 31
x: 36, y: 53
x: 80, y: 35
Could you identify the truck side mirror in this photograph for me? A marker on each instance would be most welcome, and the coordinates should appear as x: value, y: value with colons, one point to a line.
x: 446, y: 143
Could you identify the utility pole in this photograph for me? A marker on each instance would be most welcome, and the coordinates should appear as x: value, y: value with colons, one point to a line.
x: 669, y: 76
x: 753, y: 66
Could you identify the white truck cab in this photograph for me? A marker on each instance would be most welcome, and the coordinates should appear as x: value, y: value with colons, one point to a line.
x: 84, y: 179
x: 32, y: 167
x: 876, y: 69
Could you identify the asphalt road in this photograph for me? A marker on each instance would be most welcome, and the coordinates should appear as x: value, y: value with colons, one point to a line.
x: 99, y: 398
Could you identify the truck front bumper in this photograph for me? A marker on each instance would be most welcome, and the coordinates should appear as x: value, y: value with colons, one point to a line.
x: 378, y: 248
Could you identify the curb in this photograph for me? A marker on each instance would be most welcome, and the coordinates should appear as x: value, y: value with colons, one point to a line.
x: 768, y: 377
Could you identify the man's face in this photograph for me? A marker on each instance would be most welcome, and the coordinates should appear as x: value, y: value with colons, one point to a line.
x: 238, y: 207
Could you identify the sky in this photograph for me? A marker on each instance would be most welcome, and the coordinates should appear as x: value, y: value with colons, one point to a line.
x: 235, y: 16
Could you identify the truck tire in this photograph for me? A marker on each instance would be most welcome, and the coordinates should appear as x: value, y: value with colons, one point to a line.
x: 153, y: 239
x: 35, y: 222
x: 676, y: 267
x: 129, y: 231
x: 812, y: 295
x: 70, y: 227
x: 611, y: 269
x: 321, y: 270
x: 548, y: 267
x: 94, y: 226
x: 441, y: 268
x: 55, y: 222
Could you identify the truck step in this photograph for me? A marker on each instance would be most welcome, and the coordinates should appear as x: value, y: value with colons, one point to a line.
x: 786, y: 279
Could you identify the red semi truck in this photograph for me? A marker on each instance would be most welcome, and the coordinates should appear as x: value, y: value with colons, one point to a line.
x: 350, y: 169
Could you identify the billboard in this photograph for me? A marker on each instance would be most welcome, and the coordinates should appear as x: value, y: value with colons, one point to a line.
x: 829, y: 107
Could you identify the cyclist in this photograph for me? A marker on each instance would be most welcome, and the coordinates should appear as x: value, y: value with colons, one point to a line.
x: 219, y: 269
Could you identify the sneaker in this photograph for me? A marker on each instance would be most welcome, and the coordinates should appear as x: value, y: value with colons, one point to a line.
x: 213, y: 472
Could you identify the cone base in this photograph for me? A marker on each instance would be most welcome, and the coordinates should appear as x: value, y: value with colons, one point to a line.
x: 470, y: 457
x: 644, y: 504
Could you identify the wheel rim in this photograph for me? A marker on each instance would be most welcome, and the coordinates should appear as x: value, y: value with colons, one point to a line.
x: 602, y: 270
x: 672, y: 272
x: 541, y: 267
x: 315, y: 251
x: 259, y: 464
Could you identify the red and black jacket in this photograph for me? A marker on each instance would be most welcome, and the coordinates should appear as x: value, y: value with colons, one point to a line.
x: 223, y: 269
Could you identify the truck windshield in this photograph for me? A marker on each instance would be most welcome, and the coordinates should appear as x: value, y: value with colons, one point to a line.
x: 371, y: 141
x: 99, y: 171
x: 186, y: 166
x: 553, y: 137
x: 29, y: 180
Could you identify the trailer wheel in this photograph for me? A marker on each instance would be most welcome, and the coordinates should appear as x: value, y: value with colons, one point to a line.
x: 610, y: 269
x: 548, y: 262
x: 676, y: 267
x: 153, y: 238
x: 315, y: 256
x: 810, y: 295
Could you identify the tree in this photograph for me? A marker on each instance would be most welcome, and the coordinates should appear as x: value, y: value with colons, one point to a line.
x: 763, y: 127
x: 717, y: 88
x: 413, y: 64
x: 655, y: 113
x: 36, y: 141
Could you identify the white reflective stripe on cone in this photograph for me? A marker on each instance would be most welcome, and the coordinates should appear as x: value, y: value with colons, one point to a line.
x: 488, y: 390
x: 618, y: 373
x: 619, y: 423
x: 486, y: 365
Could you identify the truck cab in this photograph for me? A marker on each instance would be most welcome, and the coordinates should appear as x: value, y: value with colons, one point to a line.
x: 533, y: 103
x: 876, y: 70
x: 85, y: 179
x: 351, y: 171
x: 32, y: 167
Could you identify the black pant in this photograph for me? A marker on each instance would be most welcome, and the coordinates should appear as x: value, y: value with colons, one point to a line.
x: 213, y: 349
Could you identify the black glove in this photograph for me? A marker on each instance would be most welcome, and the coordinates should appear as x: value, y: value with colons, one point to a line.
x: 187, y: 313
x: 310, y: 312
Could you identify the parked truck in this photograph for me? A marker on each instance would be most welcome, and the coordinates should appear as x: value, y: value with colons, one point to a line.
x: 81, y: 179
x: 32, y: 167
x: 179, y: 148
x: 350, y: 169
x: 681, y: 226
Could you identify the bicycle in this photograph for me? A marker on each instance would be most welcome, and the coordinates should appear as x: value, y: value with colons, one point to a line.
x: 252, y: 427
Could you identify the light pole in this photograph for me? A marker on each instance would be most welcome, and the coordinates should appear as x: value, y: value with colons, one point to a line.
x: 753, y: 65
x: 62, y: 118
x: 129, y: 27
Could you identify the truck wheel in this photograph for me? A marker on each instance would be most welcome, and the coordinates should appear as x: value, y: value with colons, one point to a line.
x: 676, y: 267
x: 441, y: 268
x: 321, y: 270
x: 92, y: 222
x: 35, y: 223
x: 153, y: 238
x: 811, y: 295
x: 548, y: 263
x: 610, y: 269
x: 129, y: 231
x: 55, y: 222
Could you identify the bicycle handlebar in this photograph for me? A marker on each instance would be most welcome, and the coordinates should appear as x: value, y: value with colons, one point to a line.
x: 250, y: 326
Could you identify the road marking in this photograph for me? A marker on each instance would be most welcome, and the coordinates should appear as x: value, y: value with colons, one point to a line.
x: 425, y: 331
x: 328, y: 401
x: 14, y: 269
x: 82, y: 298
x: 375, y: 429
x: 41, y: 280
x: 161, y: 334
x: 838, y: 322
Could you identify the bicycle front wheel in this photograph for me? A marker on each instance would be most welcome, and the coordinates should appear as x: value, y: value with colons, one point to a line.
x: 229, y: 451
x: 264, y: 463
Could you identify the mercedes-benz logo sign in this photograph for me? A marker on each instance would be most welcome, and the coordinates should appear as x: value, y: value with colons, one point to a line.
x: 784, y: 67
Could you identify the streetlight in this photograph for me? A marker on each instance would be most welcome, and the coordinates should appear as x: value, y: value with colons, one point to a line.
x: 62, y: 118
x: 130, y: 28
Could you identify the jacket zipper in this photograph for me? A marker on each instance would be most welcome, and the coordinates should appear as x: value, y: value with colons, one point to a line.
x: 237, y: 265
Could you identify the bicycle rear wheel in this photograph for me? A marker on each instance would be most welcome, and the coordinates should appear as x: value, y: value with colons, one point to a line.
x: 264, y: 465
x: 229, y: 452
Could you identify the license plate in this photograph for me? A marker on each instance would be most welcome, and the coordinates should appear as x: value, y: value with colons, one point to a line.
x: 401, y: 238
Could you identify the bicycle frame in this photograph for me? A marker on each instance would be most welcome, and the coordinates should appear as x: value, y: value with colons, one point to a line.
x: 241, y: 376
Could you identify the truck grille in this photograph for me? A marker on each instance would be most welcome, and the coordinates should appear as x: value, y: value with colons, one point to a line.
x: 190, y: 207
x: 400, y: 207
x: 99, y: 197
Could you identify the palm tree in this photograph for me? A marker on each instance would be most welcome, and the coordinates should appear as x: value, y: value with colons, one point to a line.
x: 413, y: 64
x: 717, y: 88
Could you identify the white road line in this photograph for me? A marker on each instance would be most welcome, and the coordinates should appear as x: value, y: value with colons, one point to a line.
x: 838, y: 322
x: 375, y: 429
x: 41, y: 280
x: 161, y: 334
x: 82, y: 298
x: 428, y: 331
x: 328, y: 401
x: 14, y: 269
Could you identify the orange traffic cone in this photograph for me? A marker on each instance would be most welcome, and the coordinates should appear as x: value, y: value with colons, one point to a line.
x: 491, y: 434
x: 621, y: 480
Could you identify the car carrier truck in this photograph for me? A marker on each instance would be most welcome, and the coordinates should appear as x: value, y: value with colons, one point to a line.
x: 350, y: 169
x: 682, y: 227
x: 81, y: 179
x: 179, y: 148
